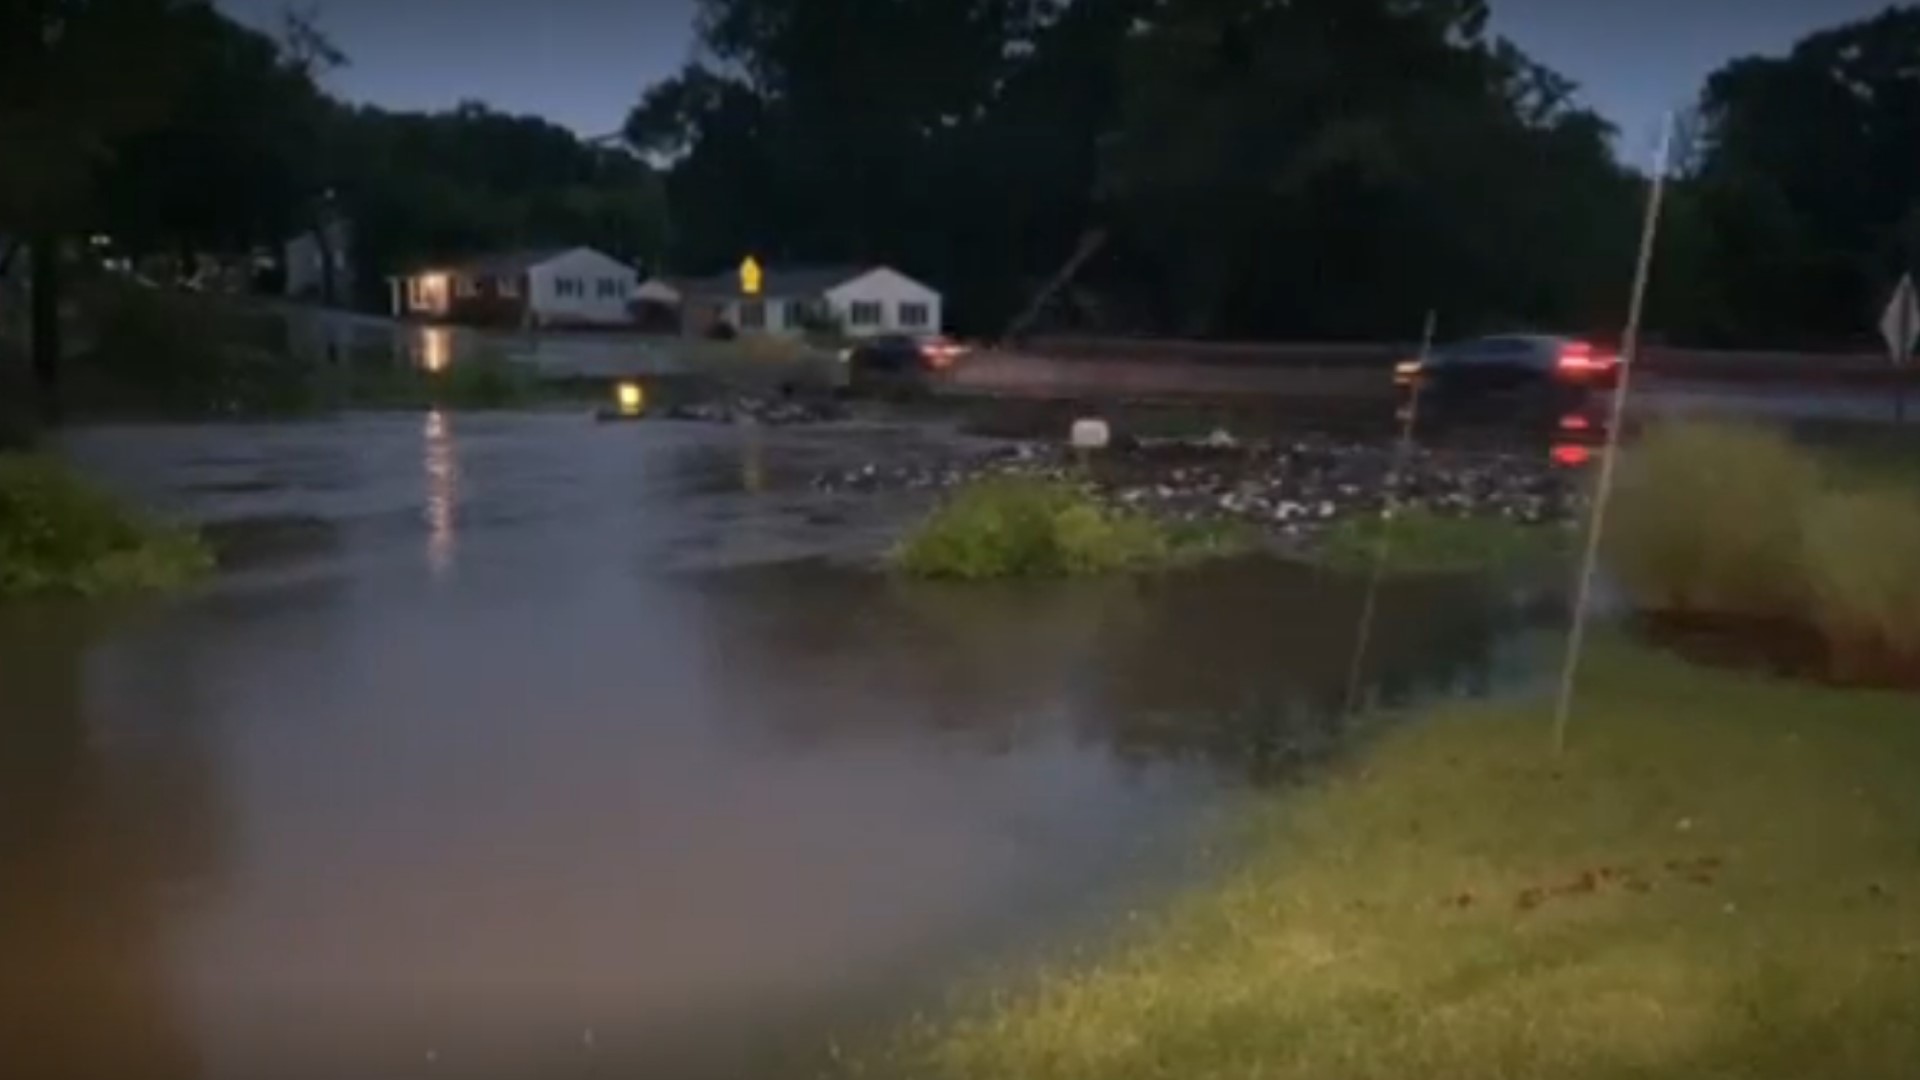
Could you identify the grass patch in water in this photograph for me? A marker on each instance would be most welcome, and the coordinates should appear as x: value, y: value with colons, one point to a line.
x: 1422, y: 542
x: 1717, y: 880
x: 60, y: 535
x: 1010, y: 527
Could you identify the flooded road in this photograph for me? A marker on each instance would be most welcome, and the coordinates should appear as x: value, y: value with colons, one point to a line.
x: 518, y: 746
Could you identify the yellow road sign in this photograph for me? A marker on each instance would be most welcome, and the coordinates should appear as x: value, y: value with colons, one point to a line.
x: 750, y: 275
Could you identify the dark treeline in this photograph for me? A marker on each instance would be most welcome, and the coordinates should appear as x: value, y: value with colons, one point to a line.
x: 1299, y: 169
x: 1314, y: 168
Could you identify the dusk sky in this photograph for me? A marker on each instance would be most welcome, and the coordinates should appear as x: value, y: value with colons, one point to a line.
x: 584, y: 62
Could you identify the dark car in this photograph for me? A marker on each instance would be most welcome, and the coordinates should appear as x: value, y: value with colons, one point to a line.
x: 1536, y: 380
x: 899, y: 364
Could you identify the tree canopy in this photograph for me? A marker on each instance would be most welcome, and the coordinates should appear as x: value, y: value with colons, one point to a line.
x: 1255, y: 168
x: 1318, y: 167
x: 1804, y: 188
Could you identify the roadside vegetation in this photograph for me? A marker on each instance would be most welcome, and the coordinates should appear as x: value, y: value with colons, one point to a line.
x: 1716, y: 881
x: 60, y: 535
x: 1013, y: 527
x: 1733, y: 538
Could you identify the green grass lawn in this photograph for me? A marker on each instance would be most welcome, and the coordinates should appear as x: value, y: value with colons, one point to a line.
x: 1720, y: 879
x: 60, y: 535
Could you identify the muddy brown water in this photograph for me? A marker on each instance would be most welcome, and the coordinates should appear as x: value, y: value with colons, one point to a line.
x: 523, y: 746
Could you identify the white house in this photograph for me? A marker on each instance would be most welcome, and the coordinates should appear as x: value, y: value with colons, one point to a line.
x: 863, y: 301
x: 304, y: 259
x: 552, y: 287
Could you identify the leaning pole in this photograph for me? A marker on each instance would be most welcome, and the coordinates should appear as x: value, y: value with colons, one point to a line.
x: 1603, y: 488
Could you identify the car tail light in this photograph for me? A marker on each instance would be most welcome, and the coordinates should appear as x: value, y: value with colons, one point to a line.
x: 941, y: 354
x: 1579, y: 360
x: 1571, y: 455
x: 1575, y: 422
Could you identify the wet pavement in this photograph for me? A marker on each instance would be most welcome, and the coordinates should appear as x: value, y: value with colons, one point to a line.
x: 515, y: 746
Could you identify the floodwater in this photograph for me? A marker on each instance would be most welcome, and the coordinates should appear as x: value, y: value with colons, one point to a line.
x: 520, y: 746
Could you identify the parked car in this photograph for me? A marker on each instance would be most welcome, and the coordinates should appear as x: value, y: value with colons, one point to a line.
x: 900, y: 364
x: 1534, y: 380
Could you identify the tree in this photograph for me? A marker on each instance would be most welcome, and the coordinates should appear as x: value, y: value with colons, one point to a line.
x: 76, y: 76
x: 1330, y: 168
x: 233, y: 165
x: 422, y: 187
x: 1806, y: 175
x: 1313, y: 167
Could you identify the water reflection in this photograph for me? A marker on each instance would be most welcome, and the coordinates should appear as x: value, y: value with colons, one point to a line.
x: 106, y: 823
x: 753, y: 464
x: 1242, y: 666
x: 436, y: 348
x: 443, y: 491
x: 481, y: 812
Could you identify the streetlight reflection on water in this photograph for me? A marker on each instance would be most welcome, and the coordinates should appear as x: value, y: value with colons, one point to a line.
x: 443, y: 492
x: 436, y: 349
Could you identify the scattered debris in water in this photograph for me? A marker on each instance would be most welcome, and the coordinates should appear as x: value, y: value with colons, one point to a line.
x: 782, y: 411
x: 1290, y: 490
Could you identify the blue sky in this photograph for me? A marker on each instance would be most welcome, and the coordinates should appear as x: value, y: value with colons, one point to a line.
x: 584, y: 62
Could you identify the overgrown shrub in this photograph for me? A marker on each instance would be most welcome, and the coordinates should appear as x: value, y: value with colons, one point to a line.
x: 58, y: 534
x: 1707, y: 519
x: 1863, y: 582
x: 1016, y: 528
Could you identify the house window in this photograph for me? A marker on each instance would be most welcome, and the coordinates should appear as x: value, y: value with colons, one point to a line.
x: 753, y: 315
x: 569, y: 286
x: 611, y: 288
x: 799, y: 313
x: 508, y: 287
x: 915, y: 316
x: 465, y: 288
x: 865, y: 313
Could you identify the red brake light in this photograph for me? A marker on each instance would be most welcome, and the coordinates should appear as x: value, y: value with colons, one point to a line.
x: 941, y: 354
x: 1571, y: 456
x: 1575, y: 422
x: 1579, y: 358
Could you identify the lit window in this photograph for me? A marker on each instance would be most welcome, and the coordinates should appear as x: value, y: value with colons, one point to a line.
x: 753, y: 315
x: 865, y: 313
x: 914, y: 315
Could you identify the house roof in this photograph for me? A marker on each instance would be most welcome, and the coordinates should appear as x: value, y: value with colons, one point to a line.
x: 503, y: 263
x: 507, y: 263
x: 777, y: 281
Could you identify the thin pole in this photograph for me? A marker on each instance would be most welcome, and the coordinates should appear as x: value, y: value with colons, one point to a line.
x: 1389, y: 512
x: 1603, y: 492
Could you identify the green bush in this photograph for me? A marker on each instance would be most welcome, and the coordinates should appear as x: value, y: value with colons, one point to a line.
x: 60, y: 535
x: 1016, y: 528
x: 1706, y: 519
x: 1863, y: 581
